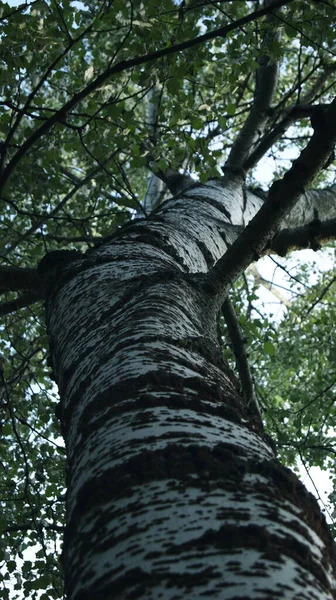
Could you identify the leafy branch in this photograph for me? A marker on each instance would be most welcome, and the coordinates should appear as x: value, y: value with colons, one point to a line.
x: 61, y: 114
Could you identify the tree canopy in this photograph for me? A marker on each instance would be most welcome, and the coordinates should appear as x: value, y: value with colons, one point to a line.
x: 100, y: 101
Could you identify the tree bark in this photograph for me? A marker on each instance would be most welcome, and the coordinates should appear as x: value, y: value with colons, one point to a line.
x: 174, y: 489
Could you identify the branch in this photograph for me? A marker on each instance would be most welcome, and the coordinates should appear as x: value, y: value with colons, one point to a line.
x: 266, y: 79
x: 43, y: 79
x: 176, y: 182
x: 20, y: 8
x: 124, y: 65
x: 20, y: 302
x: 323, y: 293
x: 238, y: 347
x: 321, y: 203
x: 260, y: 280
x: 87, y: 239
x: 32, y: 526
x: 39, y: 221
x: 282, y: 196
x: 154, y: 190
x: 15, y: 279
x: 290, y: 115
x: 311, y: 236
x: 299, y: 111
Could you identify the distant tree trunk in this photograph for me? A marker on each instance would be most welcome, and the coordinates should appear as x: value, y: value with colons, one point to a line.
x: 174, y: 490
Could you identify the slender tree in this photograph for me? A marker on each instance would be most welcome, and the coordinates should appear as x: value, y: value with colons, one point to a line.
x: 132, y: 134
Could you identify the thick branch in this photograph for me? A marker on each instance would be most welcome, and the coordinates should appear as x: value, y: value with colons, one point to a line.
x: 124, y: 65
x: 266, y: 79
x: 311, y: 236
x: 299, y: 111
x: 15, y: 279
x: 282, y: 196
x: 321, y: 203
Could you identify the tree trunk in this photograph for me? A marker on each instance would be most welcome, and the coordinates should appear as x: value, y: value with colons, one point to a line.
x: 174, y: 490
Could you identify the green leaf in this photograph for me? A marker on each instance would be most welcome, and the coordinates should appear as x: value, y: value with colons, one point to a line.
x: 269, y: 348
x: 290, y: 31
x: 196, y: 122
x: 230, y: 109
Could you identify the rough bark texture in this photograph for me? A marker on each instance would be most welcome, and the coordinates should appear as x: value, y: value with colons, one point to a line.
x: 174, y: 491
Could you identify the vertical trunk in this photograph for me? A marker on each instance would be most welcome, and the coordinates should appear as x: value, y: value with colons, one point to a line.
x: 174, y: 490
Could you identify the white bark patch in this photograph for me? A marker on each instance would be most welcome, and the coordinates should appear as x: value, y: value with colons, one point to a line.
x: 153, y: 530
x: 121, y: 438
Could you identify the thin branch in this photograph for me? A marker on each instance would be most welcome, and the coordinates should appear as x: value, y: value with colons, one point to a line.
x: 65, y: 27
x: 19, y: 8
x: 238, y: 347
x: 323, y: 293
x: 289, y: 116
x: 288, y: 273
x: 317, y: 493
x: 311, y: 41
x: 260, y: 280
x: 32, y: 526
x: 49, y: 70
x: 20, y: 302
x: 70, y: 239
x: 40, y: 221
x: 25, y: 464
x: 299, y: 111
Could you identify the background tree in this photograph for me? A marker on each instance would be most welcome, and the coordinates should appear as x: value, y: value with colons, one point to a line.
x: 108, y: 108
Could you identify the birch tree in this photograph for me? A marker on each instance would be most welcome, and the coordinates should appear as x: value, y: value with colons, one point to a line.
x: 132, y: 134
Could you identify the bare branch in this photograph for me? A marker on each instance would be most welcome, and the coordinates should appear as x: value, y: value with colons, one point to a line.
x: 282, y: 196
x: 14, y: 279
x: 311, y: 236
x: 268, y: 285
x: 289, y: 116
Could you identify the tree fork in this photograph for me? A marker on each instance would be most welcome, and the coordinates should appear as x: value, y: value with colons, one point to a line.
x: 173, y: 488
